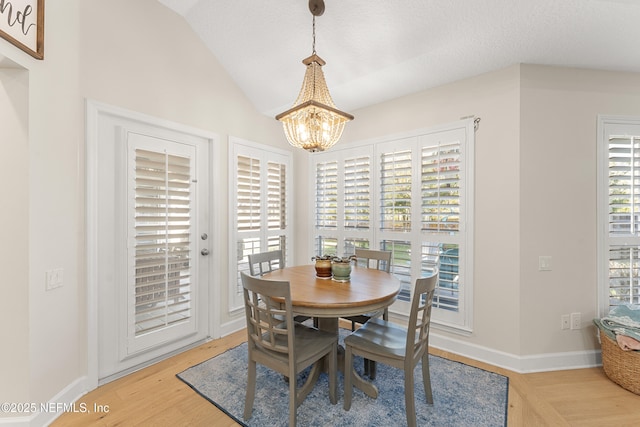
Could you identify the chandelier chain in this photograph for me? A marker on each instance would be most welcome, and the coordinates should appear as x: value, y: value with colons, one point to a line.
x: 313, y: 88
x: 314, y: 35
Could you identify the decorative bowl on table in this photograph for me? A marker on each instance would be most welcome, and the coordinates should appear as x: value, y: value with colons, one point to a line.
x: 341, y: 268
x: 323, y: 266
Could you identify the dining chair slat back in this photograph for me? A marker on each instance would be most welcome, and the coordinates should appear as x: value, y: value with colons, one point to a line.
x: 403, y: 348
x: 265, y: 262
x: 380, y: 260
x: 287, y: 347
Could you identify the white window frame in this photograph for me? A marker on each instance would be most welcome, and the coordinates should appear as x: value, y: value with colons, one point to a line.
x: 610, y: 125
x: 460, y: 321
x: 265, y: 153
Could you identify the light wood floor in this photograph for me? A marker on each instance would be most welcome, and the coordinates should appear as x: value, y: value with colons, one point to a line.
x: 155, y: 397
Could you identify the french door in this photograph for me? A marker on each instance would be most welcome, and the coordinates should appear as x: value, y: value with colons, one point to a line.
x: 153, y: 243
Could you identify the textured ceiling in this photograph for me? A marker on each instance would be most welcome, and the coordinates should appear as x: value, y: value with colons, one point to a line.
x: 377, y: 50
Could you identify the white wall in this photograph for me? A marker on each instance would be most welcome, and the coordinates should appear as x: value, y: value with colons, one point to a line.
x: 56, y: 224
x: 44, y: 224
x: 14, y: 251
x: 558, y: 197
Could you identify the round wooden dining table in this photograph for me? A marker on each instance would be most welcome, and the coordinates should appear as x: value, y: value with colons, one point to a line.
x: 368, y: 290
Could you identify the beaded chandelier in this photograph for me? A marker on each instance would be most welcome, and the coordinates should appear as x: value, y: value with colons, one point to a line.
x: 314, y: 123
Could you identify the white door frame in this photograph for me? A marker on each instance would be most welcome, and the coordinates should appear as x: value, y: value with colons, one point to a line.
x: 94, y: 112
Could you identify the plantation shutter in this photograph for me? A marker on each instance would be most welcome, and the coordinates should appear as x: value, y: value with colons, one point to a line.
x: 162, y: 236
x: 395, y: 215
x: 276, y: 201
x: 327, y: 195
x: 441, y: 187
x: 441, y: 210
x: 249, y: 194
x: 248, y: 211
x: 624, y: 187
x: 276, y: 206
x: 623, y: 219
x: 395, y: 191
x: 411, y: 195
x: 259, y: 204
x: 356, y: 184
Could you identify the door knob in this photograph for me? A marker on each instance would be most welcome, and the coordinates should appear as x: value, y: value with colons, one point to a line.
x: 205, y: 252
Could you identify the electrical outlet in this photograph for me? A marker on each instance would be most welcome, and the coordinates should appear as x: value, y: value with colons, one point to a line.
x: 565, y: 322
x: 575, y: 321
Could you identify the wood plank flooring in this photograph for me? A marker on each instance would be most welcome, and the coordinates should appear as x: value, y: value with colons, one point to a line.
x: 155, y: 397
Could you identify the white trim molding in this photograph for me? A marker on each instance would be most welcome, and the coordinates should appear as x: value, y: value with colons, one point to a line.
x: 521, y: 364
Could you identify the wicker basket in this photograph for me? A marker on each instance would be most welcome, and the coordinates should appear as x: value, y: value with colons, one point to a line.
x: 622, y: 367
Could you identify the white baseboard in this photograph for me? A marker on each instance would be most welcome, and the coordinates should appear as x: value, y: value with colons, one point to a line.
x: 15, y: 421
x: 521, y: 364
x: 231, y: 327
x: 47, y: 412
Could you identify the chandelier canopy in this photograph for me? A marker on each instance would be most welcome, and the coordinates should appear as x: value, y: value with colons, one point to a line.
x: 314, y: 123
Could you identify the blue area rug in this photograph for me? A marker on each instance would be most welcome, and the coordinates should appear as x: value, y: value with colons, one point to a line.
x: 463, y: 395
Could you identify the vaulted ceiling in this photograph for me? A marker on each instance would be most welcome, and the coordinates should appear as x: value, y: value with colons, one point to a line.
x: 377, y: 50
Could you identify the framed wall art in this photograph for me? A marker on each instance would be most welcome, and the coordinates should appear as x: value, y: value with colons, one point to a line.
x: 22, y: 24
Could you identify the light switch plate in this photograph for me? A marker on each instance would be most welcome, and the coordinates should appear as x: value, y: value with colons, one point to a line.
x: 54, y: 278
x: 544, y: 263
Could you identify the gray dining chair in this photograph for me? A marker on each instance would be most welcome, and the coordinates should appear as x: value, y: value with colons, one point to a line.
x: 266, y: 262
x: 286, y: 347
x: 393, y: 345
x: 380, y: 260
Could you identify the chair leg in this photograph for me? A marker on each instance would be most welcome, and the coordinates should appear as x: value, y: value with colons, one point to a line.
x: 426, y: 378
x: 251, y: 389
x: 370, y: 368
x: 348, y: 377
x: 409, y: 401
x: 293, y: 403
x: 333, y: 374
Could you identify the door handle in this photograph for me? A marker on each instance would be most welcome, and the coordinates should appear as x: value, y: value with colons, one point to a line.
x: 204, y: 252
